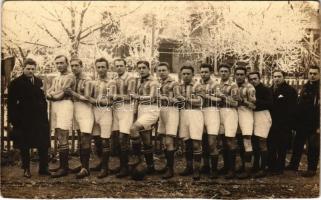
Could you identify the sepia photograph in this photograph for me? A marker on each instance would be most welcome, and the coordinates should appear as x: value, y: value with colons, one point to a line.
x: 160, y: 99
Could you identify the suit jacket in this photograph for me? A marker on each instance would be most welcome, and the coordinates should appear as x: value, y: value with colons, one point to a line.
x: 308, y: 112
x: 27, y: 112
x: 284, y: 106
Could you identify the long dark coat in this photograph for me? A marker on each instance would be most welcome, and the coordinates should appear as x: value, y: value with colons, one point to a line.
x: 284, y: 106
x: 27, y: 109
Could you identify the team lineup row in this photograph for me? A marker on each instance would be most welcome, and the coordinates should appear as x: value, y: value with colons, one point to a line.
x: 222, y: 105
x: 133, y: 105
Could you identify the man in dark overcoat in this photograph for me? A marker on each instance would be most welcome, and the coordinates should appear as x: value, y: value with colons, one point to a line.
x: 282, y: 112
x: 27, y: 110
x: 308, y: 124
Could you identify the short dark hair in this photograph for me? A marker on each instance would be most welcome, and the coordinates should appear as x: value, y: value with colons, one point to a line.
x: 78, y: 60
x: 62, y: 56
x: 163, y: 64
x: 102, y: 59
x: 224, y: 65
x: 255, y: 72
x: 240, y: 68
x: 120, y: 59
x: 29, y: 61
x: 143, y: 62
x: 314, y: 67
x: 279, y: 70
x: 206, y: 65
x: 187, y: 67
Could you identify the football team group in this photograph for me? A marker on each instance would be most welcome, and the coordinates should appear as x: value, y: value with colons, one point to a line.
x: 235, y: 116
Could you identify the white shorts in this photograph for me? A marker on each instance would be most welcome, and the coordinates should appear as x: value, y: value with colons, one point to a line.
x: 246, y: 120
x: 123, y: 118
x: 62, y: 114
x: 84, y: 116
x: 212, y: 120
x: 262, y: 123
x: 229, y: 121
x: 103, y: 122
x: 168, y: 121
x: 191, y: 124
x: 147, y: 115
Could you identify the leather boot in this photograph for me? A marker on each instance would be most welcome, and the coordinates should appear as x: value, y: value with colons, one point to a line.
x: 105, y: 158
x: 214, y: 161
x: 225, y: 168
x: 164, y: 169
x: 98, y: 151
x: 197, y: 167
x: 189, y: 159
x: 63, y: 171
x: 124, y: 165
x: 84, y: 157
x: 104, y: 168
x: 231, y: 160
x: 247, y: 164
x: 150, y: 162
x: 136, y: 149
x: 26, y: 173
x: 170, y: 165
x: 262, y: 172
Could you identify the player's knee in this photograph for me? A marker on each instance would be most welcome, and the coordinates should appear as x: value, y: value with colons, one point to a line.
x: 169, y: 142
x: 248, y: 145
x: 85, y: 141
x: 106, y: 145
x: 197, y: 145
x: 134, y: 131
x: 231, y: 143
x: 124, y: 141
x: 262, y: 143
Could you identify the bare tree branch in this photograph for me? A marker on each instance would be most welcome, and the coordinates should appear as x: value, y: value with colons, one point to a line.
x: 82, y: 15
x: 87, y: 28
x: 44, y: 28
x: 63, y: 25
x: 130, y: 12
x: 94, y: 30
x: 15, y: 54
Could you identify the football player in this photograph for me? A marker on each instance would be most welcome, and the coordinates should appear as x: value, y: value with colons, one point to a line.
x: 148, y: 113
x: 262, y: 123
x: 123, y: 111
x: 228, y: 92
x: 83, y: 114
x: 102, y: 91
x: 211, y: 115
x: 169, y: 115
x: 245, y: 114
x: 191, y: 121
x: 62, y: 111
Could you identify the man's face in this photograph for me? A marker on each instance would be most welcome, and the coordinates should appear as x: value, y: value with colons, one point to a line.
x: 224, y: 73
x: 278, y: 78
x: 101, y: 68
x: 162, y: 72
x: 61, y: 64
x: 143, y: 70
x: 187, y: 75
x: 313, y: 75
x: 120, y: 67
x: 240, y: 76
x: 29, y: 70
x: 205, y: 73
x: 76, y: 68
x: 254, y: 79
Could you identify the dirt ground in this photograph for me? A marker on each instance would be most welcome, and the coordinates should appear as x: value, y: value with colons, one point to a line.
x: 288, y: 185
